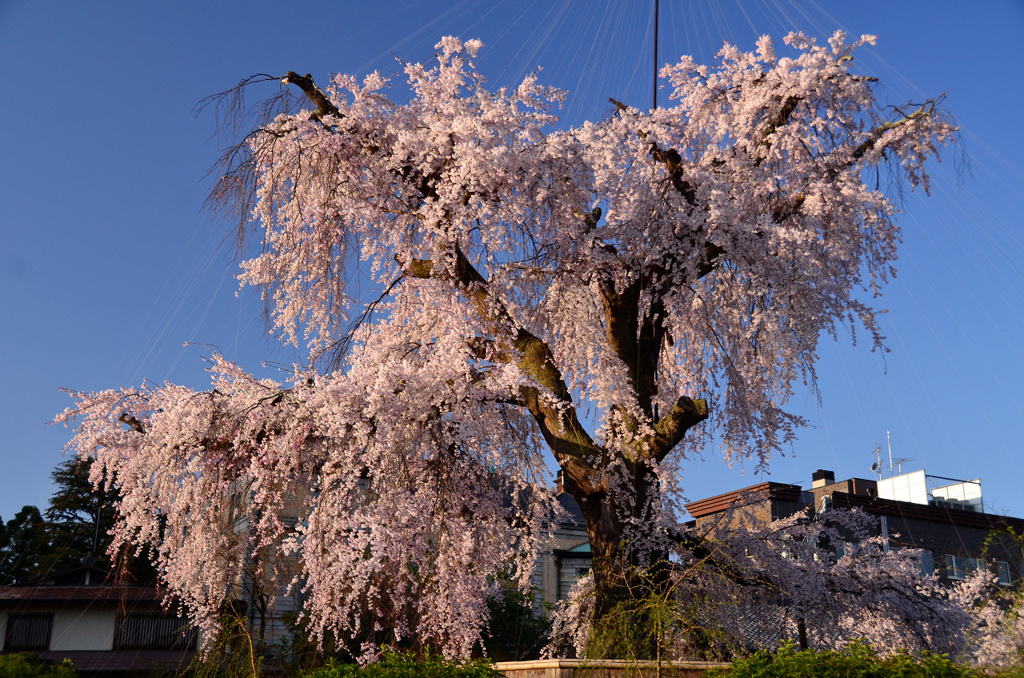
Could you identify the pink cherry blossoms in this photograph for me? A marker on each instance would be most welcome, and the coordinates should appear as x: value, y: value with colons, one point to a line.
x: 662, y: 272
x: 746, y: 584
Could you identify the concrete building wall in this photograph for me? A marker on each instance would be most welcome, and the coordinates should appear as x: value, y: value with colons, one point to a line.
x: 960, y: 541
x: 570, y: 570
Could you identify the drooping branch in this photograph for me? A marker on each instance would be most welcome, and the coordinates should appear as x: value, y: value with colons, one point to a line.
x: 558, y: 420
x: 670, y: 158
x: 926, y: 110
x: 779, y: 120
x: 673, y: 162
x: 132, y: 422
x: 790, y: 207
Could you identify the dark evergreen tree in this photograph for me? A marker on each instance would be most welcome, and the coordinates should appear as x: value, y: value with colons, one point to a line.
x: 79, y: 517
x: 513, y: 632
x: 24, y: 543
x: 73, y: 532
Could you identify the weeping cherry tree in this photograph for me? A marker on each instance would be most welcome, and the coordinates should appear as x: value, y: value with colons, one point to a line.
x: 663, y: 276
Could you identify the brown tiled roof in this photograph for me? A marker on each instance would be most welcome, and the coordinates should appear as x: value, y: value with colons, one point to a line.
x: 747, y: 495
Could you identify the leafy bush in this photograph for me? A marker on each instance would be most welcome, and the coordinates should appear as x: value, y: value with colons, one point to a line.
x: 855, y: 661
x: 514, y: 633
x: 28, y: 665
x: 233, y: 653
x: 406, y: 666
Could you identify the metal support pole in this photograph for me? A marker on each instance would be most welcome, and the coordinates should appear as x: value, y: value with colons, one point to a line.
x: 655, y: 80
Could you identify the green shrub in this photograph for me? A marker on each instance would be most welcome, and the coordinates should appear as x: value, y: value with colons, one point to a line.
x: 855, y: 661
x: 406, y: 666
x: 1016, y: 671
x: 28, y: 665
x: 514, y: 634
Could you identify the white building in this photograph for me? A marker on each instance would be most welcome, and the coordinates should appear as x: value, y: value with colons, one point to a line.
x: 104, y: 627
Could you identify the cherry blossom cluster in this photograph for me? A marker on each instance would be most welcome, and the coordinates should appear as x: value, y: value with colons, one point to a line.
x: 740, y: 584
x: 399, y: 508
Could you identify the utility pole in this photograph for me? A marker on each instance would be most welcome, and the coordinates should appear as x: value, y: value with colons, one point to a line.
x: 655, y: 80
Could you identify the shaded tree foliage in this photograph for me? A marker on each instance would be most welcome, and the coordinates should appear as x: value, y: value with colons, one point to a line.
x: 74, y: 530
x: 79, y: 517
x: 514, y: 633
x: 24, y: 547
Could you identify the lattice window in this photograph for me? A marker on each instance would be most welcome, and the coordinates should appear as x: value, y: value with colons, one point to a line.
x: 28, y: 632
x: 154, y: 633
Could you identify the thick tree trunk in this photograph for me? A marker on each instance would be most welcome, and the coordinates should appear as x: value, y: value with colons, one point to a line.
x: 626, y: 566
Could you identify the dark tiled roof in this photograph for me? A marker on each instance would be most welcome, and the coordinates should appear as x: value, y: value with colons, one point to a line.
x: 87, y: 594
x: 572, y: 508
x: 73, y: 577
x: 935, y: 514
x: 118, y: 661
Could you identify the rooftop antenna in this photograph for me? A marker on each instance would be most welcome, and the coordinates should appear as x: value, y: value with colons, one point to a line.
x: 877, y: 466
x: 899, y: 463
x: 889, y: 443
x: 655, y: 81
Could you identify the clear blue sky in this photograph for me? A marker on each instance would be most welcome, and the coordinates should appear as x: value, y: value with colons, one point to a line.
x: 107, y: 265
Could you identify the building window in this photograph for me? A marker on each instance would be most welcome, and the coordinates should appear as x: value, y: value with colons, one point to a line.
x: 154, y: 633
x: 28, y: 632
x: 960, y: 567
x: 1003, y: 571
x: 927, y: 561
x: 569, y: 571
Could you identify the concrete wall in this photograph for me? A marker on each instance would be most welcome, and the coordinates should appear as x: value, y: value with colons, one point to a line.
x: 959, y: 540
x: 546, y: 574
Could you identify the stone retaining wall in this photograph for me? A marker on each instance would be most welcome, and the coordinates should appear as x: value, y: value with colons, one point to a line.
x: 605, y: 668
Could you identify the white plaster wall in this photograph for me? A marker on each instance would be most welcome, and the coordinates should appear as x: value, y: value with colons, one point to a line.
x: 83, y: 629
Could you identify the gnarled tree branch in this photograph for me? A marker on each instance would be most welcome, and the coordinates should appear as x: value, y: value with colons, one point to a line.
x: 552, y: 408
